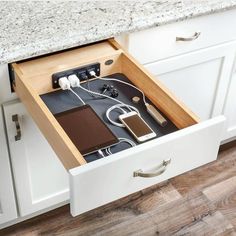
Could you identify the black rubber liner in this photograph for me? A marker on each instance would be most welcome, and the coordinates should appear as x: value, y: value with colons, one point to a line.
x: 64, y: 100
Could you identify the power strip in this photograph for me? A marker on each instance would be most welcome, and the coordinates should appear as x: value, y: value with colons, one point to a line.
x: 82, y: 73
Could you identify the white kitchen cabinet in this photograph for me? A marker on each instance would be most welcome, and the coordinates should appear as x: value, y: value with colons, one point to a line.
x: 8, y: 210
x: 200, y: 78
x: 40, y: 179
x: 198, y: 72
x: 93, y: 184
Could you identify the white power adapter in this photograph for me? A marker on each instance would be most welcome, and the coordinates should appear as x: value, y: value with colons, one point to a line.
x: 74, y: 81
x: 64, y: 83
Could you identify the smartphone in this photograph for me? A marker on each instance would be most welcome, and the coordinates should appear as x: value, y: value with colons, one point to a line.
x: 137, y: 126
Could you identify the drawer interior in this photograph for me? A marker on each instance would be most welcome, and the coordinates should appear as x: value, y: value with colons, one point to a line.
x: 60, y: 101
x: 33, y: 84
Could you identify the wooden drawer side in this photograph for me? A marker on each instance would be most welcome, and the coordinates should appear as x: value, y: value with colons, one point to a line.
x: 55, y: 135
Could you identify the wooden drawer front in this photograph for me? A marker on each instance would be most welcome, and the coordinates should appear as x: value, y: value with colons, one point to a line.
x: 158, y: 43
x: 111, y: 178
x: 97, y: 183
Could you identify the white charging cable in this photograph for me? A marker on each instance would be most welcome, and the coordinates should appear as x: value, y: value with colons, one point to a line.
x: 121, y: 140
x: 75, y: 82
x: 100, y: 153
x: 119, y: 107
x: 66, y: 84
x: 156, y: 115
x: 93, y: 74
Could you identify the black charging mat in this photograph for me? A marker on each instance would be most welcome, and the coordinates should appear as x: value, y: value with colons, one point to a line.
x: 60, y: 101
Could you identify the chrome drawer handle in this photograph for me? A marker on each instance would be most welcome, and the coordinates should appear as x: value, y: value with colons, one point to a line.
x: 15, y: 119
x: 194, y: 37
x: 161, y: 169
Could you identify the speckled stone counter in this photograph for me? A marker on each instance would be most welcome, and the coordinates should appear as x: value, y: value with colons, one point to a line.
x: 29, y: 29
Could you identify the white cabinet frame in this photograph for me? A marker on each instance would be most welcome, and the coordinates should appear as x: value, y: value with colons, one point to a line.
x: 8, y: 210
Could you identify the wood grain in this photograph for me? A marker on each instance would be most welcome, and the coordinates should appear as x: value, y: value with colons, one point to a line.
x: 223, y: 195
x: 40, y: 70
x: 201, y: 205
x: 51, y: 129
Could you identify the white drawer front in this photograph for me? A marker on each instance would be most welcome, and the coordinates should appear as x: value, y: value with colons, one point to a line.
x: 160, y: 42
x: 111, y: 178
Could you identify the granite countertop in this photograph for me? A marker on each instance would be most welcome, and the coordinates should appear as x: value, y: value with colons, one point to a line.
x: 33, y: 28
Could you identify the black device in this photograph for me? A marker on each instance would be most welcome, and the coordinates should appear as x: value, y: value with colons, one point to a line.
x: 113, y: 91
x: 86, y: 129
x: 106, y: 87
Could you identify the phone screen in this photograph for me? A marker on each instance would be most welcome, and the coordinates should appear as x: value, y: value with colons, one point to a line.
x: 137, y: 125
x: 86, y: 130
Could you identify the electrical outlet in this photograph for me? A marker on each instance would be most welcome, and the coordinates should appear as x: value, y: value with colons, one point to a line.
x: 82, y: 73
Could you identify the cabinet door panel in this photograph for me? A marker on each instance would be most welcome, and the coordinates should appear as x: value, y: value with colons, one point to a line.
x: 7, y: 198
x: 200, y: 79
x: 41, y: 180
x: 190, y: 85
x: 230, y: 109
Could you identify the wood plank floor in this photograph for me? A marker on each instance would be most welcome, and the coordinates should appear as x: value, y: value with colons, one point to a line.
x: 200, y: 202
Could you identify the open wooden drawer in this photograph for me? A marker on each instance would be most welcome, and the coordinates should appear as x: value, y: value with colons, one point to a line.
x: 107, y: 179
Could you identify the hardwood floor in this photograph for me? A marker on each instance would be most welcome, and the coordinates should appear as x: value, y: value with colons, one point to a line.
x: 200, y: 202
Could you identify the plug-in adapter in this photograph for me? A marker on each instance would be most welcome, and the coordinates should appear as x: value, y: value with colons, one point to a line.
x: 64, y: 83
x: 74, y: 81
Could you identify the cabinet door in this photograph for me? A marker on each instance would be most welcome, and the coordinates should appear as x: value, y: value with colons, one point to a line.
x: 200, y: 79
x: 41, y: 180
x: 230, y: 107
x: 7, y: 199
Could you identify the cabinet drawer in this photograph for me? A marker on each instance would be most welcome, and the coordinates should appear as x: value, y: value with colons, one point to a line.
x: 97, y: 183
x: 160, y: 42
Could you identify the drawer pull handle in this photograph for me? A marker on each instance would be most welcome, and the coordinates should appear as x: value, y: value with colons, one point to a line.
x: 15, y: 119
x: 161, y: 169
x: 194, y: 37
